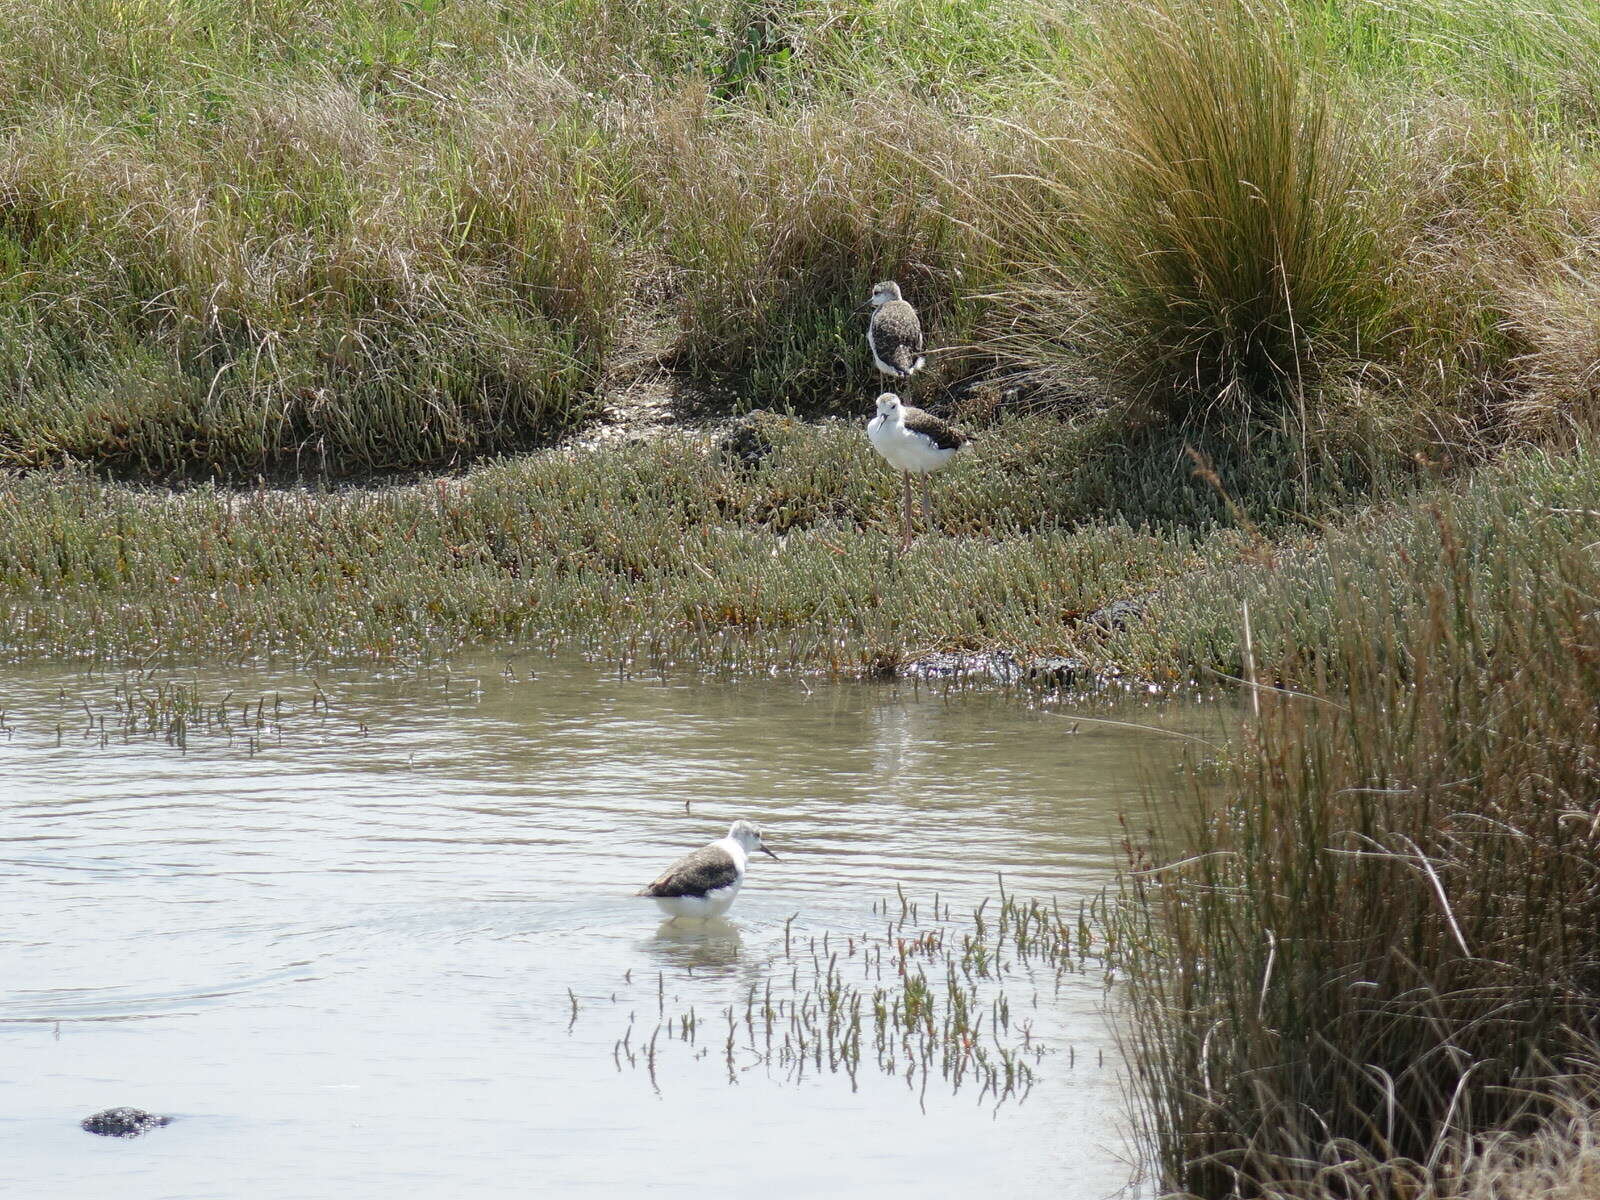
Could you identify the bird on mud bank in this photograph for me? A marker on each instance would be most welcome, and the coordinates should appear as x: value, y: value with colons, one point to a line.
x: 894, y: 334
x: 703, y: 884
x: 917, y: 443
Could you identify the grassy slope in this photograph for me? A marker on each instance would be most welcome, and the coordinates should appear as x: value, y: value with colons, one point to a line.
x: 345, y: 238
x: 338, y: 238
x: 341, y: 238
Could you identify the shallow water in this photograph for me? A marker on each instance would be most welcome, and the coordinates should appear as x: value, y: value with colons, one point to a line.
x: 340, y: 947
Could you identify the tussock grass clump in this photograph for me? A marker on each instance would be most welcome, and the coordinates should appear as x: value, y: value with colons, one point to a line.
x: 1560, y: 1161
x: 1374, y: 944
x: 1485, y: 211
x: 1301, y: 225
x: 1555, y: 316
x: 1212, y: 236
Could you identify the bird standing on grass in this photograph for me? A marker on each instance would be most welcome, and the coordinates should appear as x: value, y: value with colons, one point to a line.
x: 894, y: 335
x: 704, y: 884
x: 916, y: 442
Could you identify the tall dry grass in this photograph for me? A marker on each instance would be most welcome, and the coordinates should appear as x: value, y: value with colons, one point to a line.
x: 1553, y: 315
x: 287, y: 289
x: 344, y: 238
x: 1373, y: 945
x: 779, y: 226
x: 1211, y: 250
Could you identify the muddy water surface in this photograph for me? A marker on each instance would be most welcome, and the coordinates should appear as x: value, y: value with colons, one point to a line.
x: 386, y: 943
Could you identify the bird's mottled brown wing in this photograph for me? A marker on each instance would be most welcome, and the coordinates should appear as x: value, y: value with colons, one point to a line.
x: 896, y: 336
x: 940, y: 433
x: 696, y: 874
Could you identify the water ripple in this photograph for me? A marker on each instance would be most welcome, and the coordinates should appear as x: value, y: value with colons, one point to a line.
x: 411, y: 910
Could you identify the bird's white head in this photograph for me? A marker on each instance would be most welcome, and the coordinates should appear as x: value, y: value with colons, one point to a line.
x: 889, y: 405
x: 884, y: 292
x: 748, y: 835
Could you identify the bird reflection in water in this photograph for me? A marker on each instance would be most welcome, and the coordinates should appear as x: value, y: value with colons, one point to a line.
x: 710, y: 947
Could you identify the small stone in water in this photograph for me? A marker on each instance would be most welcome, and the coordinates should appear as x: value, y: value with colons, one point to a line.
x: 123, y: 1122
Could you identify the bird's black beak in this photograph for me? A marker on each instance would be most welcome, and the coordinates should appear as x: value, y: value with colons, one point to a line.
x: 763, y: 848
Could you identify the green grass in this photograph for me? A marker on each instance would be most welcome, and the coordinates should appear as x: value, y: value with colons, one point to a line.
x: 338, y: 240
x: 1539, y: 58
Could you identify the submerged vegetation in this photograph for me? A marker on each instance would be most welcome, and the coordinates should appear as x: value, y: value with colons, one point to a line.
x: 928, y: 997
x: 1276, y: 323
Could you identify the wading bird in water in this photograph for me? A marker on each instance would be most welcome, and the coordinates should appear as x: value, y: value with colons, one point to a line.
x: 916, y: 442
x: 704, y: 884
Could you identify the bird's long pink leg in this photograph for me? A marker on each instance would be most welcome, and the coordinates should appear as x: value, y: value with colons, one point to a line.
x: 905, y: 510
x: 927, y: 506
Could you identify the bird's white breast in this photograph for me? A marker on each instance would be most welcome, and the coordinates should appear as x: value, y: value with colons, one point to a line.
x: 905, y: 449
x: 713, y: 904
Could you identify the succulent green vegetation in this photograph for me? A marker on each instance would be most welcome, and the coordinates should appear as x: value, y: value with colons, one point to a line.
x: 670, y: 552
x: 1512, y: 532
x: 657, y: 551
